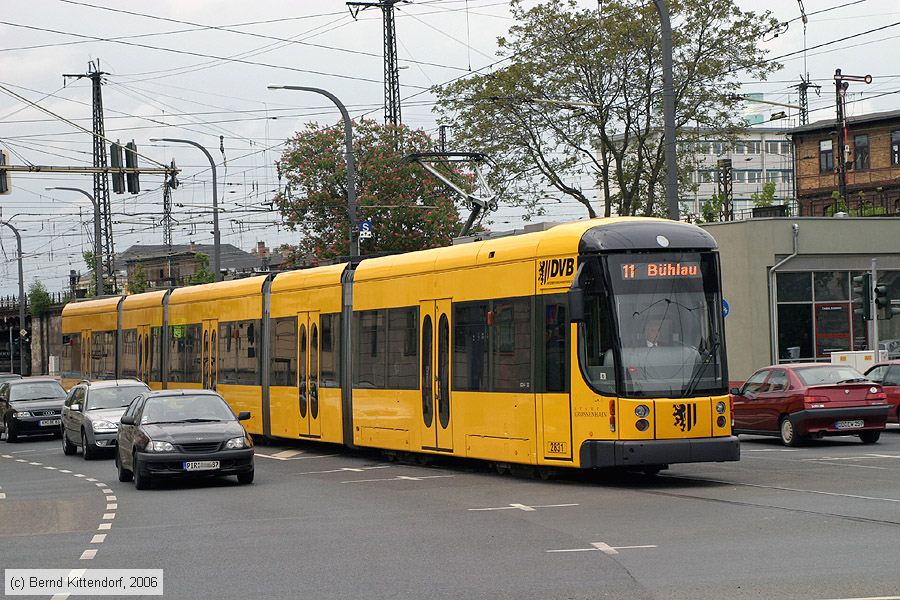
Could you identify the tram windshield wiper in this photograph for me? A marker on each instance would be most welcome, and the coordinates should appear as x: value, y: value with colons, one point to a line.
x: 705, y: 359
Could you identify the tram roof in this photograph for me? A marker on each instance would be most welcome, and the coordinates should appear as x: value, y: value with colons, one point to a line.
x: 218, y: 291
x: 152, y: 299
x: 91, y: 307
x: 308, y: 278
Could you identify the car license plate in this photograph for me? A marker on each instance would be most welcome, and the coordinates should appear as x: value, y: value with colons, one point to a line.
x: 201, y: 465
x: 855, y: 424
x: 49, y: 422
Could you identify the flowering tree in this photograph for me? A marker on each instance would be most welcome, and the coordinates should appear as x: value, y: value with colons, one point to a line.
x: 409, y: 209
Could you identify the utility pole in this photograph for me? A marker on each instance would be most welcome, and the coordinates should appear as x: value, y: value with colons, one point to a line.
x: 804, y: 85
x: 842, y: 156
x: 391, y: 68
x: 725, y: 188
x: 669, y: 112
x: 101, y: 180
x: 169, y: 183
x: 22, y: 301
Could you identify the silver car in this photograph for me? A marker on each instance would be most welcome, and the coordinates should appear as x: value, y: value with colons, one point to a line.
x: 91, y: 413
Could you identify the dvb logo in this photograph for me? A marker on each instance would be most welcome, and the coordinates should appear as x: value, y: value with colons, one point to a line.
x: 555, y: 267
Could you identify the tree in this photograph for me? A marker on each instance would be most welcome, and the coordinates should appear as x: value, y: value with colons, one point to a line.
x: 203, y: 274
x: 409, y: 209
x: 766, y: 197
x: 92, y: 264
x: 39, y: 300
x: 582, y: 97
x: 137, y: 282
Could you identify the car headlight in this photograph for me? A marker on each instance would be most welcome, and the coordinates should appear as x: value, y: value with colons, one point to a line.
x: 104, y: 426
x: 21, y: 413
x: 159, y: 447
x: 236, y: 443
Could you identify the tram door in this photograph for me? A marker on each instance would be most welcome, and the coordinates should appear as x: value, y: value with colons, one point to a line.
x: 86, y: 353
x: 143, y: 353
x: 209, y: 365
x: 434, y: 329
x: 308, y: 342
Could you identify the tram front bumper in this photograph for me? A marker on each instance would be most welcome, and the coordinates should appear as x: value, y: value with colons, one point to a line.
x: 612, y: 453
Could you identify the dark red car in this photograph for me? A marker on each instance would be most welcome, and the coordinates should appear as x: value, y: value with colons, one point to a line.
x: 888, y: 375
x: 804, y: 400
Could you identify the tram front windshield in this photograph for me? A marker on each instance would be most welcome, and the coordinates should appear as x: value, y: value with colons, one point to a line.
x: 666, y: 310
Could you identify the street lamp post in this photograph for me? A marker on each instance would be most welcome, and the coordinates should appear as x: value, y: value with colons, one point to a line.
x: 22, y: 299
x: 351, y: 164
x: 98, y: 277
x: 217, y: 252
x: 668, y: 112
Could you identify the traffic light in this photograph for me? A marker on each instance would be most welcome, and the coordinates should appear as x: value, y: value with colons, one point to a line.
x: 131, y: 179
x: 4, y: 175
x: 115, y: 161
x: 862, y: 294
x: 883, y: 302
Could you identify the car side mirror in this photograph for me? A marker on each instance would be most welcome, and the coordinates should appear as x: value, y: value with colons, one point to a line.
x: 127, y: 420
x: 243, y: 415
x: 75, y: 408
x: 736, y: 391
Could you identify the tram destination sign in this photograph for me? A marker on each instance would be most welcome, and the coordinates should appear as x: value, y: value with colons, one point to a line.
x: 661, y: 270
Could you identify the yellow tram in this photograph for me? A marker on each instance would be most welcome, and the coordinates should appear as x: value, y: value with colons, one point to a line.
x: 591, y: 344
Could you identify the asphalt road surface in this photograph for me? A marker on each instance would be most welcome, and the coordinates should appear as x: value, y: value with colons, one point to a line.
x: 820, y: 521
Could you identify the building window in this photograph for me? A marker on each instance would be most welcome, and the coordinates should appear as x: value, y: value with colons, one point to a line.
x: 739, y: 176
x: 754, y: 176
x: 705, y: 176
x: 773, y: 176
x: 860, y: 152
x: 895, y: 148
x: 826, y: 156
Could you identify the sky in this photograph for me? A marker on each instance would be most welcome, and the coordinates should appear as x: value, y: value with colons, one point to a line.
x: 199, y: 69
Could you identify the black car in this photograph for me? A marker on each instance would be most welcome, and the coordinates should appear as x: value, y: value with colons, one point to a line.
x: 173, y: 433
x: 30, y: 406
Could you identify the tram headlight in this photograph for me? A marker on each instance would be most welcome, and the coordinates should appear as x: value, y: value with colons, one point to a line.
x: 641, y: 411
x: 642, y: 425
x: 720, y: 408
x: 720, y: 421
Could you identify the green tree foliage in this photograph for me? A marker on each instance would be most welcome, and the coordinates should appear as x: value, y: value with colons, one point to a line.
x: 609, y: 67
x: 39, y: 300
x: 137, y: 283
x: 203, y: 274
x: 410, y: 209
x: 92, y: 265
x: 766, y: 197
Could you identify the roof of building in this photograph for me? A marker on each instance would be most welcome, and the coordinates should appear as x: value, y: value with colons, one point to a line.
x: 830, y: 123
x: 232, y: 257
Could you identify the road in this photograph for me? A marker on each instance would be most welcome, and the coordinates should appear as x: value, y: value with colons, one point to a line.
x: 820, y: 521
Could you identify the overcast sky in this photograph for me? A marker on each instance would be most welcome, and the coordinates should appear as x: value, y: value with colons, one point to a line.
x: 174, y: 71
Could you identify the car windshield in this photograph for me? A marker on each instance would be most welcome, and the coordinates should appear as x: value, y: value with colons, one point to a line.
x: 114, y: 397
x: 176, y: 409
x: 36, y: 390
x: 826, y: 374
x: 661, y: 321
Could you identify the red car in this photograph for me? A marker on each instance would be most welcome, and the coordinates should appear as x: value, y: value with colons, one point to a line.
x: 804, y: 400
x: 888, y: 375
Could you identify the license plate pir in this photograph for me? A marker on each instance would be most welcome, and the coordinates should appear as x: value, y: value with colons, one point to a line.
x: 201, y: 465
x: 854, y: 424
x: 48, y: 422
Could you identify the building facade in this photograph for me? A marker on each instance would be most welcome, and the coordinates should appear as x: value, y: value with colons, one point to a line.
x: 872, y: 151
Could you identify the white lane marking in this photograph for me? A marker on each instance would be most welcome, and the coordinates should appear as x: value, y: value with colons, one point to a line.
x: 287, y: 453
x: 275, y: 457
x: 23, y: 451
x: 59, y: 597
x: 110, y: 498
x: 88, y: 554
x: 99, y: 538
x: 826, y: 462
x: 50, y: 468
x: 883, y: 455
x: 78, y: 475
x: 602, y: 547
x: 783, y: 489
x: 36, y: 464
x: 107, y: 490
x: 100, y: 484
x: 2, y: 496
x: 64, y: 471
x: 109, y: 516
x: 112, y: 506
x: 90, y: 479
x: 343, y: 469
x: 398, y: 478
x: 870, y: 598
x: 21, y: 460
x: 104, y: 526
x: 6, y: 455
x: 771, y: 450
x: 524, y: 507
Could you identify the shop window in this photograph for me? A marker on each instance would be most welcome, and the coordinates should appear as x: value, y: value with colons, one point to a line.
x: 831, y: 285
x: 795, y: 331
x: 832, y: 329
x: 794, y: 287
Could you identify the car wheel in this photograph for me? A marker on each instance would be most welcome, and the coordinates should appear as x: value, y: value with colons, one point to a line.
x: 124, y: 474
x: 245, y: 478
x: 87, y: 450
x: 11, y: 436
x: 141, y: 480
x: 789, y: 435
x: 68, y: 447
x: 869, y: 437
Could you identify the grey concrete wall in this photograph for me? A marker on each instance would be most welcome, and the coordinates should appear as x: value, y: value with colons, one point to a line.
x: 748, y: 249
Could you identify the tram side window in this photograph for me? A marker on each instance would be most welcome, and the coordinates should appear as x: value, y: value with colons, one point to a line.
x: 239, y: 354
x: 403, y: 349
x: 71, y: 356
x: 184, y: 353
x: 511, y: 348
x: 154, y: 356
x: 556, y: 343
x: 129, y: 352
x: 283, y: 351
x: 330, y: 351
x: 103, y: 354
x: 370, y: 336
x: 470, y: 346
x: 595, y: 343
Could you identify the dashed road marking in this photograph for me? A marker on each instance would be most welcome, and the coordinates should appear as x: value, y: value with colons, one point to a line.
x: 64, y: 471
x: 21, y: 460
x: 344, y: 469
x: 106, y: 490
x: 112, y: 506
x: 110, y: 498
x: 771, y: 450
x: 104, y: 526
x: 109, y: 516
x: 78, y: 475
x: 99, y: 538
x: 36, y: 464
x: 602, y: 547
x: 49, y: 468
x: 524, y: 507
x: 6, y: 455
x: 88, y: 554
x: 399, y: 478
x: 90, y: 479
x: 307, y: 457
